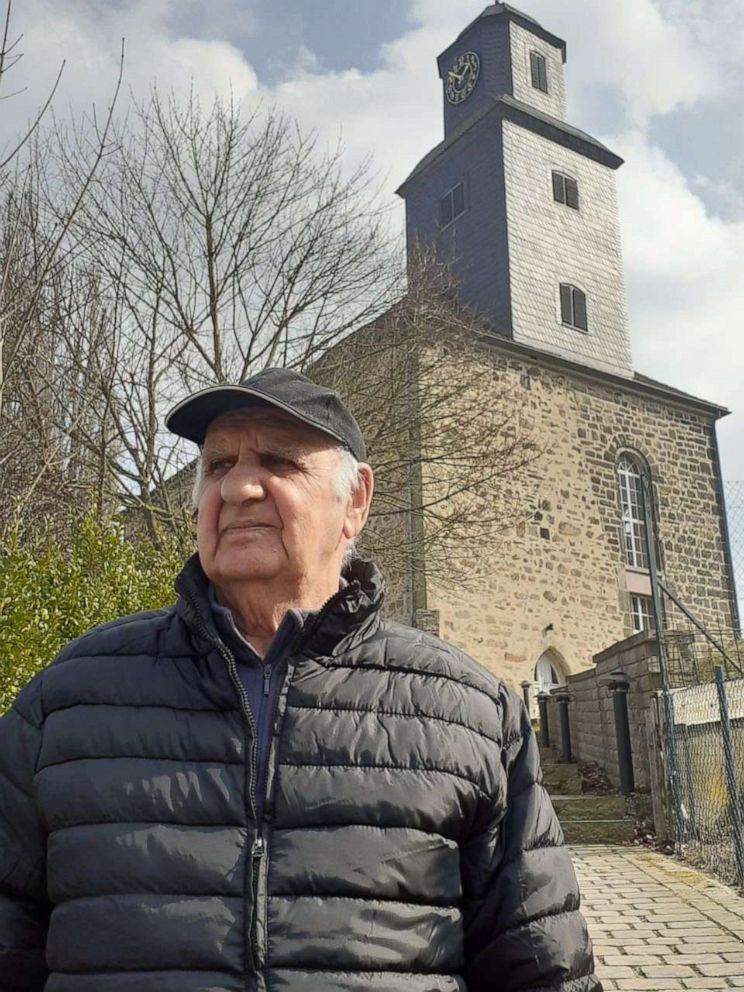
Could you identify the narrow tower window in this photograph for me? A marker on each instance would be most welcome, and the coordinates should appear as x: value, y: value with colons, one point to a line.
x: 573, y: 307
x: 452, y: 205
x: 539, y: 70
x: 630, y: 484
x: 565, y: 190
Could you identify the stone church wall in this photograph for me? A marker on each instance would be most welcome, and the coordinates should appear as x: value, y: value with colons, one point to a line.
x: 558, y: 581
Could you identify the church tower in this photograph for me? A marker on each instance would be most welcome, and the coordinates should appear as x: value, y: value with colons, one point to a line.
x: 522, y: 204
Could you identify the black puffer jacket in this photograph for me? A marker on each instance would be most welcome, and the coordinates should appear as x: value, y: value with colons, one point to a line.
x: 408, y: 844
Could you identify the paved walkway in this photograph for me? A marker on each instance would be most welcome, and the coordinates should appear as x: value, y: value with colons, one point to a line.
x: 658, y: 925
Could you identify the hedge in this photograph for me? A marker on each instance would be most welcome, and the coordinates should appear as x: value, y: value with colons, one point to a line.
x: 51, y: 592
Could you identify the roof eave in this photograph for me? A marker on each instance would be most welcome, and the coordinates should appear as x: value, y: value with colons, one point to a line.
x: 512, y: 14
x: 506, y: 107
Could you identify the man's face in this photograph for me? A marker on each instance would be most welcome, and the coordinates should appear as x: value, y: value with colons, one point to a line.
x: 269, y: 506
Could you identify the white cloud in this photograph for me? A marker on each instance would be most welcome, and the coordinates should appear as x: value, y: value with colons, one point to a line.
x: 654, y: 64
x: 686, y: 295
x: 682, y: 264
x: 87, y: 35
x: 629, y: 62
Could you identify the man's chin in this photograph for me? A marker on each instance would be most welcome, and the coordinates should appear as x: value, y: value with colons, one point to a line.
x: 243, y: 565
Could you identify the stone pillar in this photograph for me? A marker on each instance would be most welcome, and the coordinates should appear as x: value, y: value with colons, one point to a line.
x: 542, y: 702
x: 563, y: 699
x: 526, y: 696
x: 618, y: 686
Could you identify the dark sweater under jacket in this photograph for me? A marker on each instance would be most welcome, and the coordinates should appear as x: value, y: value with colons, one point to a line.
x: 405, y: 843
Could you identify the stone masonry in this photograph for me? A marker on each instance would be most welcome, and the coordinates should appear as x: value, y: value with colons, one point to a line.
x: 591, y: 713
x: 558, y: 581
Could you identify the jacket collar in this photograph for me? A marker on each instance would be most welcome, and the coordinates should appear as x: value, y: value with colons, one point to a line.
x: 348, y: 617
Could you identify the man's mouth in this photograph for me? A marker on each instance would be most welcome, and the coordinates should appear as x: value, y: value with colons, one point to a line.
x: 246, y: 526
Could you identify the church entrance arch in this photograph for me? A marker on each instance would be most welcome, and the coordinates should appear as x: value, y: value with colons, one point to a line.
x: 550, y: 671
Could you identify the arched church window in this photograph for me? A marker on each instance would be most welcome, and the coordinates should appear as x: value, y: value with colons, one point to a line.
x: 573, y: 307
x: 630, y: 484
x: 548, y: 674
x: 539, y: 71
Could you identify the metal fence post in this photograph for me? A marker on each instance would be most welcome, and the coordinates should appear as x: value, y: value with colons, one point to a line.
x: 563, y: 699
x: 542, y: 702
x: 728, y: 755
x: 666, y: 696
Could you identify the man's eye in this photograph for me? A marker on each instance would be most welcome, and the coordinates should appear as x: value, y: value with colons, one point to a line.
x: 276, y: 461
x: 219, y: 464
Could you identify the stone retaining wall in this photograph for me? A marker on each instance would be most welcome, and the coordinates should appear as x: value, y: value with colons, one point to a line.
x: 591, y: 711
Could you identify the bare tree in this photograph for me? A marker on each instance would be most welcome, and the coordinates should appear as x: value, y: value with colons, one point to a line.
x: 450, y: 437
x: 224, y: 240
x: 36, y: 251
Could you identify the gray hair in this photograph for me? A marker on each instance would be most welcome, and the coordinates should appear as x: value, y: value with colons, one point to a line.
x: 347, y: 480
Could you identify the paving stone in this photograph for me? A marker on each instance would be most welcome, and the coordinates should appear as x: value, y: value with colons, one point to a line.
x: 657, y: 925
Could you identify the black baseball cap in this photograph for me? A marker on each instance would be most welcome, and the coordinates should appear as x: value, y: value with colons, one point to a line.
x: 282, y: 388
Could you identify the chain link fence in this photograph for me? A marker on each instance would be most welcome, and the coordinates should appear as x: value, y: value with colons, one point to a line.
x: 707, y: 724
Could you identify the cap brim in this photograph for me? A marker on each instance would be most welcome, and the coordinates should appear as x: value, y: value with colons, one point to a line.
x: 191, y: 417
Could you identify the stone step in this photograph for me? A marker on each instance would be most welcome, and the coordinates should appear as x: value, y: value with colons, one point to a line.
x: 598, y: 831
x: 590, y: 807
x: 585, y: 817
x: 565, y: 781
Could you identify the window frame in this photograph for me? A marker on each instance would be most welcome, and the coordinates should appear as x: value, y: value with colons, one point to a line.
x: 564, y: 180
x: 632, y: 524
x: 546, y: 662
x: 571, y: 321
x: 449, y: 196
x: 642, y: 608
x: 539, y: 70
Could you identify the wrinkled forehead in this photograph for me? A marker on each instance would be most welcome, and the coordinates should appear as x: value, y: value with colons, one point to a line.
x: 265, y: 425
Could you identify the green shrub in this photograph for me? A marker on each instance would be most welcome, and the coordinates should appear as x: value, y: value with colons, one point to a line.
x: 52, y: 592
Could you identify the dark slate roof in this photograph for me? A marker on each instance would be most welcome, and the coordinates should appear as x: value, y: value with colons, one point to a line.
x: 507, y: 107
x: 673, y: 392
x: 504, y: 9
x: 636, y: 383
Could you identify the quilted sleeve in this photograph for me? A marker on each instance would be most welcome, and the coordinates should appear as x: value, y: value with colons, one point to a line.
x: 24, y: 911
x: 523, y: 928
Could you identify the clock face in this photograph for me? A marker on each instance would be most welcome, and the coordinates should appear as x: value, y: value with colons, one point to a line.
x: 460, y: 80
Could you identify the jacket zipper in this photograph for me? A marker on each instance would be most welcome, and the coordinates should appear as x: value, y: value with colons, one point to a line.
x: 258, y: 848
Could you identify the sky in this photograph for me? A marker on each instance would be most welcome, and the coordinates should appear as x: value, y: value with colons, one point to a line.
x: 660, y: 82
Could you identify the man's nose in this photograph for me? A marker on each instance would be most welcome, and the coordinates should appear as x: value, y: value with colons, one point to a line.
x: 243, y: 482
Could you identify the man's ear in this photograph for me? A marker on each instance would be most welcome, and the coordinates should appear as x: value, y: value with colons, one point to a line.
x: 357, y: 510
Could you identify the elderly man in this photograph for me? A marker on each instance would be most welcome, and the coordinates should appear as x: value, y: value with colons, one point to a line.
x: 268, y: 786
